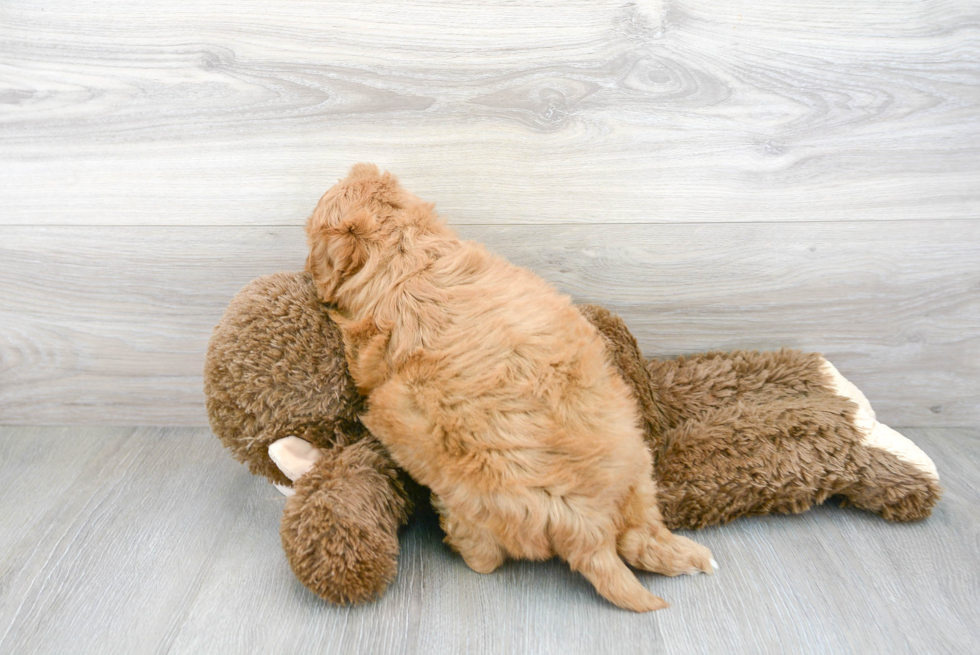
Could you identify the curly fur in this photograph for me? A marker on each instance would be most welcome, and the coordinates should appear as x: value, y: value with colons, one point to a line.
x: 490, y: 388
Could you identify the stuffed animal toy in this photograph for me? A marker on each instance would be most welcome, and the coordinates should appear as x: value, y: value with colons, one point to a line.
x: 279, y: 397
x: 745, y: 433
x: 732, y: 434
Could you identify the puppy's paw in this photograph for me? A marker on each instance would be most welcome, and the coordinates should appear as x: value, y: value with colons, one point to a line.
x: 692, y: 558
x: 647, y: 603
x: 670, y: 555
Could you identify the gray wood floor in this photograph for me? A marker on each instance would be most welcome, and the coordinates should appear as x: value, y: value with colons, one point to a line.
x: 152, y: 540
x: 120, y: 339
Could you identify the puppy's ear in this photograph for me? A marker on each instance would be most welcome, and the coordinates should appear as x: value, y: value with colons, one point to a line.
x: 338, y: 252
x: 363, y: 170
x: 371, y: 184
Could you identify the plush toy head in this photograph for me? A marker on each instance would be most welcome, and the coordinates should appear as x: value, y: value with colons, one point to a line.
x: 275, y: 369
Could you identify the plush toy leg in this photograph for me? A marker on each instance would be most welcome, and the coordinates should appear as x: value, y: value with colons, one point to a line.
x: 748, y: 459
x: 900, y: 482
x: 783, y: 456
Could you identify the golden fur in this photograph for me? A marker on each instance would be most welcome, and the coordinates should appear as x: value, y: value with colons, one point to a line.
x: 490, y: 388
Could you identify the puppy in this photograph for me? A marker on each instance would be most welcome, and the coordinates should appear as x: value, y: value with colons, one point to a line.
x: 490, y: 388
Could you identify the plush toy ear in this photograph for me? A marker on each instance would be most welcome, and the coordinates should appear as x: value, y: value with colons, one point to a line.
x: 338, y: 251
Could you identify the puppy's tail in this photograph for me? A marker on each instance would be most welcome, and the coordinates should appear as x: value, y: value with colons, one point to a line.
x: 616, y: 583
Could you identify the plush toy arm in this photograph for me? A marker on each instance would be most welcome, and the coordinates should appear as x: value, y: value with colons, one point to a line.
x: 340, y: 528
x: 294, y: 457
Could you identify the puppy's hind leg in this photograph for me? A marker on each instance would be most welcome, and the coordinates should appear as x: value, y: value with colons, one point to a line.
x: 477, y: 545
x: 588, y: 543
x: 615, y: 582
x: 647, y: 544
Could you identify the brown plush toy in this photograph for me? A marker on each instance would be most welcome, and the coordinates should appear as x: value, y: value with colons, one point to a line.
x: 733, y: 434
x: 745, y: 433
x: 280, y: 398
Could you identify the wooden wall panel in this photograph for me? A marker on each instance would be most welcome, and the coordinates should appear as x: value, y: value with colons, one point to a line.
x: 110, y: 324
x: 724, y: 174
x: 167, y: 113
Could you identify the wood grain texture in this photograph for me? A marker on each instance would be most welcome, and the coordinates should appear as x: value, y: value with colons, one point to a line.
x: 109, y: 325
x: 168, y: 113
x: 154, y: 157
x: 119, y: 525
x: 153, y: 540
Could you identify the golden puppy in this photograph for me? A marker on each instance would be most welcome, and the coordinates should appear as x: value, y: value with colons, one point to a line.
x: 490, y: 388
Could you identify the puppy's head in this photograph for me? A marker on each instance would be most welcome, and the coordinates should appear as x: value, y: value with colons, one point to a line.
x: 367, y: 215
x: 348, y: 223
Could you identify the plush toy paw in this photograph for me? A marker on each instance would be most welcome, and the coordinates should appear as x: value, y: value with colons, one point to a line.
x: 875, y: 434
x: 294, y: 457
